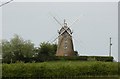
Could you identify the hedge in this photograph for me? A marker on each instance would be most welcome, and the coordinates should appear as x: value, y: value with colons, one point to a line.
x: 63, y: 58
x: 60, y: 69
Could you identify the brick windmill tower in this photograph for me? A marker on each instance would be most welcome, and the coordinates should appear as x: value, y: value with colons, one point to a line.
x: 65, y: 43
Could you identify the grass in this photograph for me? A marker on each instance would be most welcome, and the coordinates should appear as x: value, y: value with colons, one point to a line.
x: 57, y: 69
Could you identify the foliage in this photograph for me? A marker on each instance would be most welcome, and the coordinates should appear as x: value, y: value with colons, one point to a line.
x: 100, y: 58
x: 46, y: 50
x: 119, y: 69
x: 64, y: 58
x: 6, y: 49
x: 16, y: 49
x: 60, y: 69
x: 103, y: 58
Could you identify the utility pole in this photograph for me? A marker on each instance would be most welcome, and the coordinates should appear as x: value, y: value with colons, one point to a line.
x: 110, y: 47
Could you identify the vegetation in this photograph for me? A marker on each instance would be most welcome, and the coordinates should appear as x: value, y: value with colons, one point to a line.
x: 60, y: 69
x: 18, y: 49
x: 20, y: 59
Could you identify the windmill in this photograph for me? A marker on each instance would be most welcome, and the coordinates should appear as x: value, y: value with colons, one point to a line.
x: 65, y: 43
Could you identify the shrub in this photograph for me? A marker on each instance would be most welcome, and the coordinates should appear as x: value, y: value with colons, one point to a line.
x: 60, y: 69
x: 103, y: 58
x: 63, y: 58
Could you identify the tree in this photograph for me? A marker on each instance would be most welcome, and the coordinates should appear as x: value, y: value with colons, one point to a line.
x: 17, y: 44
x: 28, y: 49
x: 47, y: 49
x: 17, y: 48
x: 7, y: 52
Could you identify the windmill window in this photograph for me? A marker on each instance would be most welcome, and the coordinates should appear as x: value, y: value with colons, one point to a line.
x: 66, y: 54
x: 65, y: 41
x: 65, y: 47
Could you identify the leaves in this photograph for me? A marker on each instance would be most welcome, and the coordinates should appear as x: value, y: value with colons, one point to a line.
x: 60, y: 69
x: 17, y: 48
x: 47, y: 49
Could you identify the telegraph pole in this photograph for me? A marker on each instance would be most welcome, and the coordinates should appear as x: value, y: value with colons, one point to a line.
x: 110, y: 47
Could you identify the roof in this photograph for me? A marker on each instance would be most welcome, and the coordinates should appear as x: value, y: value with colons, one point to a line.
x: 65, y: 29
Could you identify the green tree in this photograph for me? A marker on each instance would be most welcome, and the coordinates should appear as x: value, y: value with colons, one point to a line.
x: 17, y: 48
x: 28, y: 48
x: 17, y: 44
x: 47, y: 49
x: 7, y: 53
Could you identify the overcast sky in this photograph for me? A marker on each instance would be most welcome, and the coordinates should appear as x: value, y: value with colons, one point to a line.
x: 33, y: 21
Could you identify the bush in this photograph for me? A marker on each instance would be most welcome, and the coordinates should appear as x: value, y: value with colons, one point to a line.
x: 103, y: 58
x: 119, y: 68
x: 62, y: 58
x: 60, y: 69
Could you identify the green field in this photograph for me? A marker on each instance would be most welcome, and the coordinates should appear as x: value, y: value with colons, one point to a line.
x: 62, y: 69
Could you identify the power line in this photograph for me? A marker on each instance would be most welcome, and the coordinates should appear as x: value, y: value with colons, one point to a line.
x: 6, y: 3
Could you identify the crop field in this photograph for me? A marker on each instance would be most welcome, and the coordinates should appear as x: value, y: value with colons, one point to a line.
x: 61, y: 70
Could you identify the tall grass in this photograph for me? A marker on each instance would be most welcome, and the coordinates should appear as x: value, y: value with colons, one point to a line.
x: 60, y: 69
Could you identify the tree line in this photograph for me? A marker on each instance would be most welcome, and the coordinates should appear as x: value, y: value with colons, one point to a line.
x: 18, y: 49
